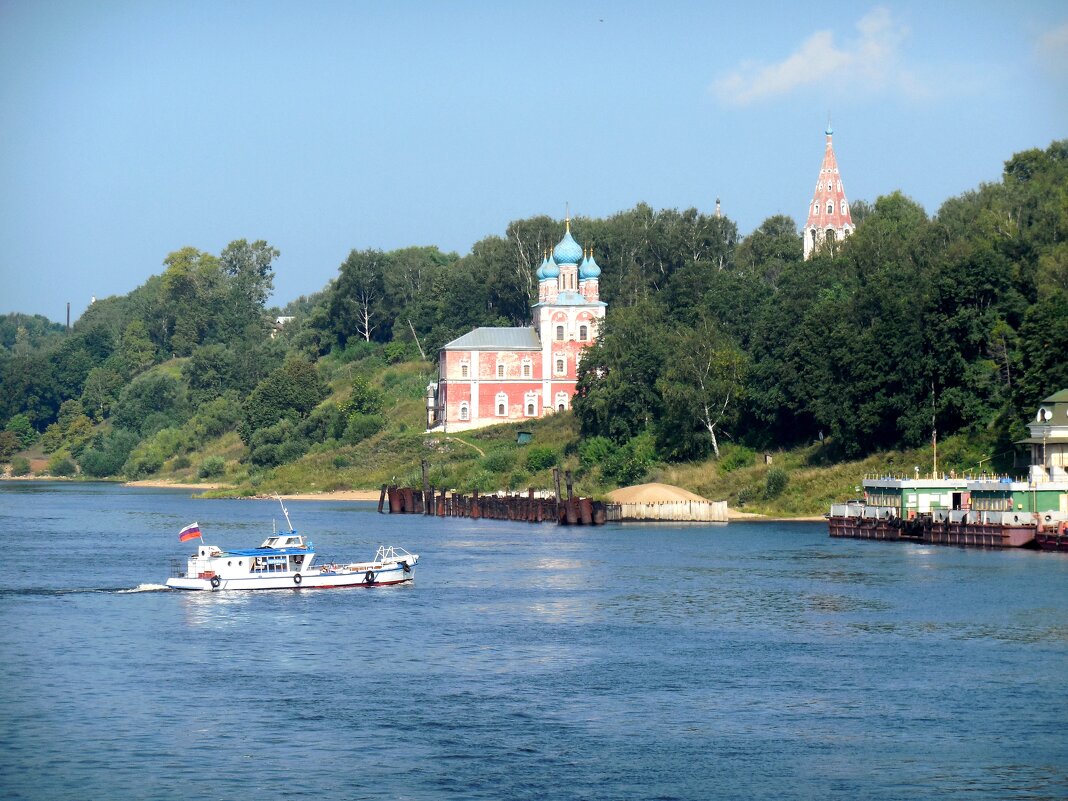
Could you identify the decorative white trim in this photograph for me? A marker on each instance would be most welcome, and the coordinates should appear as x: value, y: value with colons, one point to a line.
x: 530, y: 404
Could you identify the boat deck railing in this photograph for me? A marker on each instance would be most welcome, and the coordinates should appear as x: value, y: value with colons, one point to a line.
x: 390, y: 553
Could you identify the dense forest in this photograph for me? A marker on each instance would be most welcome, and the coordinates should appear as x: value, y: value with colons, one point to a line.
x: 955, y: 323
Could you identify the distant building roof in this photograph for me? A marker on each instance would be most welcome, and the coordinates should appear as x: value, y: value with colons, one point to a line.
x: 497, y: 339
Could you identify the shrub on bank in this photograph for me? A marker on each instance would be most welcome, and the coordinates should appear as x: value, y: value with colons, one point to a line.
x: 212, y: 467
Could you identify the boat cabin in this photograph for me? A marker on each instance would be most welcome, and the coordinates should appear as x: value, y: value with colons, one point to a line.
x: 290, y: 540
x: 907, y: 497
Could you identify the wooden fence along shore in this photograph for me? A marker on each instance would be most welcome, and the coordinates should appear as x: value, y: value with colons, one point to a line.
x: 531, y: 508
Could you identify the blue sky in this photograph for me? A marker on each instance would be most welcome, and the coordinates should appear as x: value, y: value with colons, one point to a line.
x: 132, y: 129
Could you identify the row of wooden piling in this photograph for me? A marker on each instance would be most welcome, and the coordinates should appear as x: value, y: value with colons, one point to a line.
x: 526, y: 507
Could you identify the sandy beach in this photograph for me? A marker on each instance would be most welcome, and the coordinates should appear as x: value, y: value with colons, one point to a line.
x: 335, y: 495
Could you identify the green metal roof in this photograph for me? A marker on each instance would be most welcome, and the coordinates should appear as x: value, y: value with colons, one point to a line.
x: 497, y: 339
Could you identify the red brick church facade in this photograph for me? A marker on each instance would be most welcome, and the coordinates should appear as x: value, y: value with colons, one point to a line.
x: 502, y: 375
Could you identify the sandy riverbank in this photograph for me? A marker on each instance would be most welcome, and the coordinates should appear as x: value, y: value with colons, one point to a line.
x: 336, y: 495
x: 174, y: 485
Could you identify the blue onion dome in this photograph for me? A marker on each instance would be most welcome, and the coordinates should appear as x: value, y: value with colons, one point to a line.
x: 567, y: 250
x: 541, y: 269
x: 590, y: 268
x: 550, y: 270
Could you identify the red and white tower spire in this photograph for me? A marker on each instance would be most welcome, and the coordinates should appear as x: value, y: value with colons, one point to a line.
x: 828, y: 213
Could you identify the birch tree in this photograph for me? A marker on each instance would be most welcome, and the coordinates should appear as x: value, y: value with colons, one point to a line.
x: 701, y: 386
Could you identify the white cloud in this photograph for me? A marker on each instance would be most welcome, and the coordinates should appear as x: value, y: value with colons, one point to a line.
x: 1052, y: 47
x: 870, y: 60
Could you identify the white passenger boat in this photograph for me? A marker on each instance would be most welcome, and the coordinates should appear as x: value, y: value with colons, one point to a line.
x: 285, y: 561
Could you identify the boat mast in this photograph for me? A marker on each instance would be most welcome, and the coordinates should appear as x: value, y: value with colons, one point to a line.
x: 934, y: 433
x: 279, y: 498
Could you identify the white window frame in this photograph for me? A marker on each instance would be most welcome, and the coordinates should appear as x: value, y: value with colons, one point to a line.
x: 501, y: 398
x: 560, y: 332
x: 559, y: 364
x: 530, y: 404
x: 500, y: 370
x: 528, y: 367
x: 584, y: 332
x: 465, y: 410
x: 561, y: 403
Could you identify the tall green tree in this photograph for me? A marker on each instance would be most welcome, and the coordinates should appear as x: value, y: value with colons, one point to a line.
x: 702, y: 386
x: 617, y: 395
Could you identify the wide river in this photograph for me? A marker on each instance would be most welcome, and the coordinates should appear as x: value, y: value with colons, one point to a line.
x: 749, y: 661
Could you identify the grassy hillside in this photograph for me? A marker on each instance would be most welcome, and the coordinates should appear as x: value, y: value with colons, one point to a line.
x: 799, y: 482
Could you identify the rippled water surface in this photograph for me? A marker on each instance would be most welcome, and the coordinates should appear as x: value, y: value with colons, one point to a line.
x: 760, y: 661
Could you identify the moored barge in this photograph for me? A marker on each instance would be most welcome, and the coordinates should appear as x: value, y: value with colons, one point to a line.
x: 984, y: 511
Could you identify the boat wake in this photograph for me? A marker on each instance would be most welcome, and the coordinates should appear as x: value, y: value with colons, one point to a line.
x: 52, y: 592
x: 146, y: 588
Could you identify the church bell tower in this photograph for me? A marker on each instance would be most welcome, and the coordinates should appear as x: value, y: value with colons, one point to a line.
x: 828, y: 220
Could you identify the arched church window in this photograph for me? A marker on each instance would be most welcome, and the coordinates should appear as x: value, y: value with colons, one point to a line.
x: 830, y: 207
x: 464, y: 370
x: 560, y: 333
x: 500, y: 371
x: 465, y: 411
x: 560, y: 366
x: 561, y: 401
x: 584, y: 333
x: 830, y: 234
x: 501, y: 402
x: 530, y: 410
x: 843, y: 207
x: 528, y: 368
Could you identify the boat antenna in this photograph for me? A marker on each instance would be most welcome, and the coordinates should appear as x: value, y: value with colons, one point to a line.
x: 279, y: 498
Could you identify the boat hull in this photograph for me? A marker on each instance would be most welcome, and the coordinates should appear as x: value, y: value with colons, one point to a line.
x: 312, y: 580
x: 981, y: 535
x: 1052, y: 541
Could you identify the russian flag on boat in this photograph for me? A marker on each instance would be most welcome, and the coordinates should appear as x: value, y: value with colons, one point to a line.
x: 190, y: 532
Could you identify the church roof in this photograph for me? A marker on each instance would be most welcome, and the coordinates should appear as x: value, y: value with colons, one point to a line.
x: 567, y: 250
x: 496, y: 339
x: 829, y: 194
x: 571, y: 298
x: 590, y: 268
